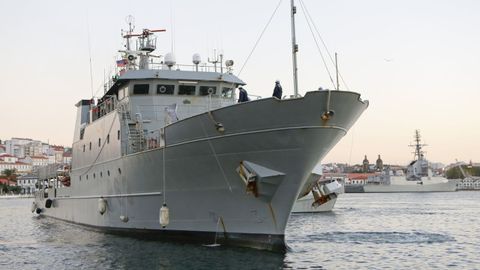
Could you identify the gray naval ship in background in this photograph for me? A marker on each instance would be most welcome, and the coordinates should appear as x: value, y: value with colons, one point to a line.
x: 168, y: 153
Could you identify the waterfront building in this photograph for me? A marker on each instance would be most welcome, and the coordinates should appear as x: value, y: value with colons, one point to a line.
x: 28, y: 183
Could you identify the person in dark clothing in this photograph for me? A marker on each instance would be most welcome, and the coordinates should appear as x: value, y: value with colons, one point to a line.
x: 242, y: 95
x: 277, y: 91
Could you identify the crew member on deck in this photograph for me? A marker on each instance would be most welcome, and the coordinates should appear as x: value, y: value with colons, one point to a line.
x: 277, y: 91
x: 242, y: 95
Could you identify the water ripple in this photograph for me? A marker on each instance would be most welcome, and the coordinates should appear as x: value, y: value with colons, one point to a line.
x: 365, y: 231
x: 379, y: 237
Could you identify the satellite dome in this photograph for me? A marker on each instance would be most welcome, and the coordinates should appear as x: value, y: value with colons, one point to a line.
x: 170, y: 60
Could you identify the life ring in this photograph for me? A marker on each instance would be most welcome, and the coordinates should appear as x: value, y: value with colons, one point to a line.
x: 162, y: 89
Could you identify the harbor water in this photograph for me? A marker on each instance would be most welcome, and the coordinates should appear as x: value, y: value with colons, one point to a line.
x: 365, y: 231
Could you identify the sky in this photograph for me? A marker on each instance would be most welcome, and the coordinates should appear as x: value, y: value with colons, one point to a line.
x: 417, y: 62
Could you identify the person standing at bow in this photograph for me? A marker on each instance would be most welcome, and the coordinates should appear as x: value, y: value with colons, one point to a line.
x: 277, y: 91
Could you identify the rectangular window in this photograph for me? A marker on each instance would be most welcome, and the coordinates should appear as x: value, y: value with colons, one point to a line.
x: 207, y: 90
x: 141, y: 89
x: 108, y: 138
x: 186, y: 90
x: 165, y: 89
x: 227, y: 92
x: 99, y: 142
x: 118, y: 134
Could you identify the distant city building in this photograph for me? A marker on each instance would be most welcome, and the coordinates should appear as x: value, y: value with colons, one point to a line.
x: 366, y: 164
x: 9, y: 162
x: 25, y: 155
x: 379, y: 164
x: 57, y: 152
x: 36, y: 161
x: 28, y: 183
x: 67, y: 158
x: 16, y: 146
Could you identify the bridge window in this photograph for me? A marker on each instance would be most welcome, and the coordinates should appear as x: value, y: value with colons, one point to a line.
x: 141, y: 89
x: 186, y: 89
x: 165, y: 89
x: 206, y: 90
x: 227, y: 92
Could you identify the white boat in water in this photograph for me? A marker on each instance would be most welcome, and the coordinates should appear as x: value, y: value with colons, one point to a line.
x: 321, y: 198
x: 418, y: 178
x: 168, y: 153
x: 318, y: 195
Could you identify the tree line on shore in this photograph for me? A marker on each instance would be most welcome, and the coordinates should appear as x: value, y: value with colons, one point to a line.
x: 11, y: 176
x: 456, y: 172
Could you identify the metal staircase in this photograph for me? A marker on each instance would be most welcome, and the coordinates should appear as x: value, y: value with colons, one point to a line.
x: 134, y: 129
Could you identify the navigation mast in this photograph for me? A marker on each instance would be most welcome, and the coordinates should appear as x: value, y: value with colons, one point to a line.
x: 418, y: 146
x: 294, y: 50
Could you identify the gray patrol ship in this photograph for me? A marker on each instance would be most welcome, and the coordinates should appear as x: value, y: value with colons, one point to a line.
x: 168, y: 153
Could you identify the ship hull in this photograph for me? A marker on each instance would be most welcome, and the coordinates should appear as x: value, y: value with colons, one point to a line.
x: 400, y: 184
x: 436, y: 187
x: 205, y: 195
